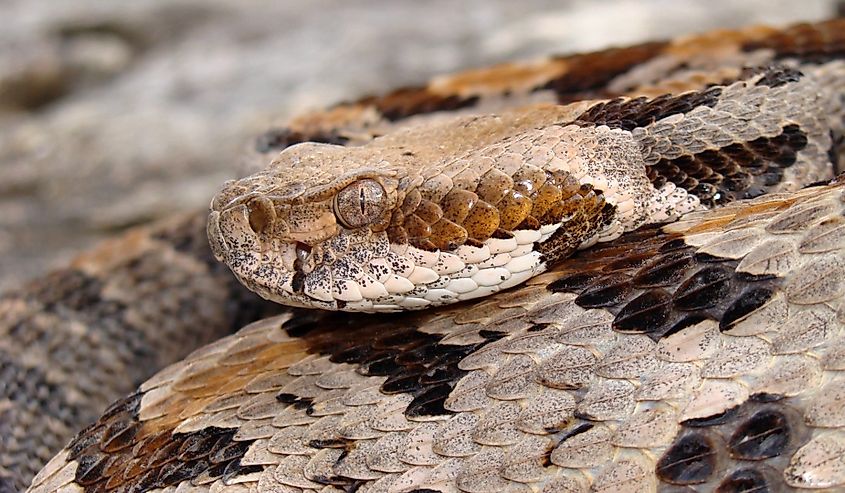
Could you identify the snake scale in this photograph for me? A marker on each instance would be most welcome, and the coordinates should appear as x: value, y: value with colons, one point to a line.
x: 632, y: 354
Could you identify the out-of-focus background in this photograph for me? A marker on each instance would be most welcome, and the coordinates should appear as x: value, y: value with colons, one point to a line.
x: 116, y: 113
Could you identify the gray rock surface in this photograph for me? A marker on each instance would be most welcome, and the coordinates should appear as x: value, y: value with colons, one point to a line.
x: 116, y: 113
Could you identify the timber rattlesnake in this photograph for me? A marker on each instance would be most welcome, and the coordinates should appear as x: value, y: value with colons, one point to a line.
x: 706, y: 354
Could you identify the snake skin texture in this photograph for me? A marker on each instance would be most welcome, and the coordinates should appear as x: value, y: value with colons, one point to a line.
x: 125, y: 309
x: 705, y: 355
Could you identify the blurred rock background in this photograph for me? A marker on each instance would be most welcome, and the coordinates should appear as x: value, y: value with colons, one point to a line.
x: 115, y: 113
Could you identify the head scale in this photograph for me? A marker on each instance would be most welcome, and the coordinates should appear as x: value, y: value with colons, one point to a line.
x: 381, y: 228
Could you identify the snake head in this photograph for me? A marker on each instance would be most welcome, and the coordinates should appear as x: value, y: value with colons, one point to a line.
x: 391, y: 226
x: 300, y: 231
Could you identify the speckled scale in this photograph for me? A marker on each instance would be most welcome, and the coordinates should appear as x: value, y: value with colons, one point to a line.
x: 827, y: 235
x: 663, y: 270
x: 585, y: 212
x: 819, y: 463
x: 750, y: 479
x: 821, y: 279
x: 646, y: 313
x: 663, y: 292
x: 763, y: 435
x: 692, y: 459
x: 703, y: 289
x: 527, y: 199
x: 447, y: 236
x: 494, y: 185
x: 457, y: 204
x: 532, y: 177
x: 482, y: 221
x: 760, y: 432
x: 428, y: 211
x: 556, y: 187
x: 551, y: 411
x: 583, y: 445
x: 736, y: 171
x: 746, y: 304
x: 605, y: 291
x: 514, y: 208
x: 571, y: 368
x: 639, y: 112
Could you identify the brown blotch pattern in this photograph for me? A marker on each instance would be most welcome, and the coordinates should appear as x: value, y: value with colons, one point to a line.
x: 410, y: 101
x: 818, y: 42
x: 776, y: 76
x: 586, y: 212
x: 278, y: 139
x: 414, y: 362
x: 581, y: 76
x: 659, y: 286
x: 650, y: 284
x: 741, y: 170
x: 499, y: 203
x: 589, y: 73
x: 116, y: 453
x: 739, y: 450
x: 629, y: 114
x: 119, y: 452
x: 518, y: 373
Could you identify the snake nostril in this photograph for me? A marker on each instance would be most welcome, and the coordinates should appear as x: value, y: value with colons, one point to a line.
x: 260, y: 215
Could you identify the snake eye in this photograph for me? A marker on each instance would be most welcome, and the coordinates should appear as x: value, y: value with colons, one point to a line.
x: 360, y: 204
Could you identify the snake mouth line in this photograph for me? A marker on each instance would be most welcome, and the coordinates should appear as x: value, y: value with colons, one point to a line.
x: 366, y: 272
x: 303, y: 251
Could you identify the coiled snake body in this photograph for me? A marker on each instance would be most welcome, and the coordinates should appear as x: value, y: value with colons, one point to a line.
x: 706, y: 354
